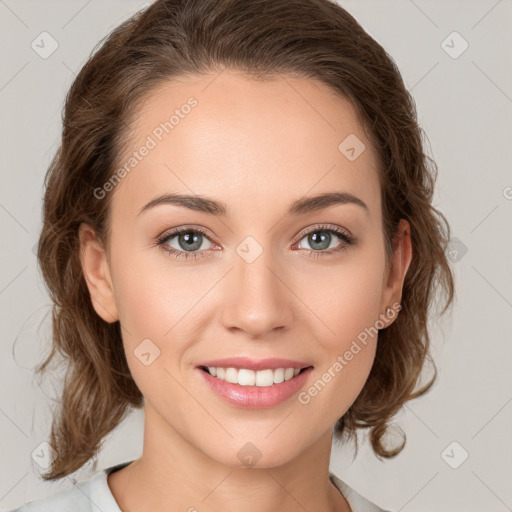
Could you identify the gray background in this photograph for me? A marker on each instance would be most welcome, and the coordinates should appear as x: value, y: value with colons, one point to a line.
x: 464, y: 105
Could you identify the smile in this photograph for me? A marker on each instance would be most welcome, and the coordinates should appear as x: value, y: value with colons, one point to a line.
x: 254, y: 389
x: 247, y: 377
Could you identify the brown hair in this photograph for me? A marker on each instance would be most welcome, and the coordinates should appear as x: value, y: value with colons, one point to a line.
x: 315, y: 39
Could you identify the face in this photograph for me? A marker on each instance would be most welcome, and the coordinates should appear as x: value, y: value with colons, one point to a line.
x: 261, y: 270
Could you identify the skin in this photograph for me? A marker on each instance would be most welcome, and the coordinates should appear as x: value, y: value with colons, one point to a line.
x: 256, y: 146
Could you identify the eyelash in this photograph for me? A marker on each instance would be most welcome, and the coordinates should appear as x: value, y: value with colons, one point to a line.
x: 184, y: 255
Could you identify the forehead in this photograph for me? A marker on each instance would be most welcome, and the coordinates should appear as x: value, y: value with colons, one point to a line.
x: 234, y: 138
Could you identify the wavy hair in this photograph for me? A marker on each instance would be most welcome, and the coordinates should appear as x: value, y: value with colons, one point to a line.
x: 169, y: 39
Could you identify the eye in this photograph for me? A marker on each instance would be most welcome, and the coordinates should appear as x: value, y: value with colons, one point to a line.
x: 321, y: 238
x: 188, y: 243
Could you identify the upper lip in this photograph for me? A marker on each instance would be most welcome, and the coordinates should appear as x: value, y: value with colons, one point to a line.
x: 255, y: 364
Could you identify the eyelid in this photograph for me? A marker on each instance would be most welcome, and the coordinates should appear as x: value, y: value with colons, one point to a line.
x: 328, y: 227
x: 175, y: 231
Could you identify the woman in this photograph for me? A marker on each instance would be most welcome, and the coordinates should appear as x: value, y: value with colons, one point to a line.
x: 238, y: 236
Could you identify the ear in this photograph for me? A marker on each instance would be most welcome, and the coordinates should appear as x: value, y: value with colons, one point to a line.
x: 399, y: 264
x: 97, y: 274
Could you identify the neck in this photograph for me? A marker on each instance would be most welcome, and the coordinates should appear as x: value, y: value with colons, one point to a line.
x: 187, y: 479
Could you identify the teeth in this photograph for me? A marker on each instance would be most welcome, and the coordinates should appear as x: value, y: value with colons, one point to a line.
x: 245, y: 377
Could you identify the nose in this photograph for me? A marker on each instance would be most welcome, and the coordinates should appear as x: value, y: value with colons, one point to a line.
x: 257, y: 298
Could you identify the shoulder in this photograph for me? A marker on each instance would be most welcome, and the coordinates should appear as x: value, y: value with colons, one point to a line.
x: 357, y: 502
x: 86, y: 496
x: 67, y: 499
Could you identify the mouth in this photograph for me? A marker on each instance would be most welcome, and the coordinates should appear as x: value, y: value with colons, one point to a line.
x: 253, y: 378
x: 254, y: 389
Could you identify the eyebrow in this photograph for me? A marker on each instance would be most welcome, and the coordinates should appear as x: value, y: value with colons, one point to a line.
x: 212, y: 207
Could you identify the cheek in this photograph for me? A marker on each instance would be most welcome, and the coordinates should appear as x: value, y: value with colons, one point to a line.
x: 153, y: 295
x: 345, y: 297
x: 348, y: 346
x: 347, y: 303
x: 160, y: 307
x: 339, y: 383
x: 145, y: 311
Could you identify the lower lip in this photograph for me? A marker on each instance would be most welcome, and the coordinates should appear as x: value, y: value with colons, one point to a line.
x: 256, y: 397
